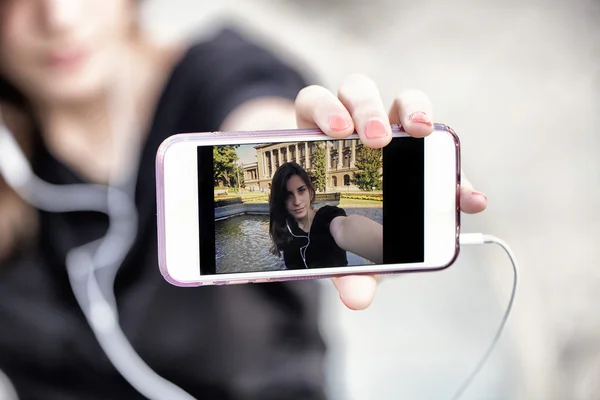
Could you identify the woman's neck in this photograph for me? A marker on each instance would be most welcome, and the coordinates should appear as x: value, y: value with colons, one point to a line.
x: 304, y: 223
x: 79, y: 135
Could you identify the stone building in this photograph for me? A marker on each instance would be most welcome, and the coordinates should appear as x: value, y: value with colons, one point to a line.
x: 340, y: 156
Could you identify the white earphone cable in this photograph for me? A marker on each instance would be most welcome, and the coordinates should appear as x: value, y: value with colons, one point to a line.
x: 83, y: 262
x: 475, y: 239
x: 303, y: 248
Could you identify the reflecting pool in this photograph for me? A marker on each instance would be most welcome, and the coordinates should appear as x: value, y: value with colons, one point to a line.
x: 243, y: 243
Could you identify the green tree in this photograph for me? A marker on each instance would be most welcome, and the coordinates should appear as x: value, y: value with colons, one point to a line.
x: 368, y: 163
x: 224, y: 158
x: 319, y: 167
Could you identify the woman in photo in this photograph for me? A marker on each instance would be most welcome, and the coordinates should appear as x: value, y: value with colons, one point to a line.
x: 316, y: 238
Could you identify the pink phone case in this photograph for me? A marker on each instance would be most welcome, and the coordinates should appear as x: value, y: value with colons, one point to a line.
x: 267, y: 134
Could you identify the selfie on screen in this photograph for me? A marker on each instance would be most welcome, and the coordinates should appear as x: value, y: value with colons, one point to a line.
x: 285, y: 206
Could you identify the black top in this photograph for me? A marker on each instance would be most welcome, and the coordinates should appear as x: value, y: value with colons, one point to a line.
x: 246, y: 342
x: 322, y: 250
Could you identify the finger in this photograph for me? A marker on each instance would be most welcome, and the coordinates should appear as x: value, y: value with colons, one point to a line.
x: 413, y: 110
x: 362, y: 99
x: 317, y: 107
x: 356, y: 291
x: 471, y: 201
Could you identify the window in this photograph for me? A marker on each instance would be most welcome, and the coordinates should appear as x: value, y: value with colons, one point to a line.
x: 346, y: 180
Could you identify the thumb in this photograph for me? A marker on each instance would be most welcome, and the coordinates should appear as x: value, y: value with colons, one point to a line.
x: 356, y: 291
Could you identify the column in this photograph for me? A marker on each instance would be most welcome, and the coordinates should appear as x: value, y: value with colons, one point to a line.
x: 258, y: 160
x: 272, y: 163
x: 340, y: 154
x: 352, y: 153
x: 297, y: 152
x: 327, y: 167
x: 267, y: 160
x: 306, y: 155
x: 273, y: 160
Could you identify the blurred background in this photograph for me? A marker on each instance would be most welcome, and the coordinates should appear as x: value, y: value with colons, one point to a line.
x: 519, y: 82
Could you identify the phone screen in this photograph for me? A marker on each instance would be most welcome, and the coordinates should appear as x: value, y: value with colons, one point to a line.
x: 272, y: 206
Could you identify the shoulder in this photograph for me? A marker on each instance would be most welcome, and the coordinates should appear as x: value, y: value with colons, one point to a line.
x: 326, y: 214
x: 225, y: 45
x: 219, y: 73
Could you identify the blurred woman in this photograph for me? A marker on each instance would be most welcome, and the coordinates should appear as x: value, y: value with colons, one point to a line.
x: 88, y: 94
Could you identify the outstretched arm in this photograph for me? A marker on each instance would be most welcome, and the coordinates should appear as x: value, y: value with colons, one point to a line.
x: 359, y: 235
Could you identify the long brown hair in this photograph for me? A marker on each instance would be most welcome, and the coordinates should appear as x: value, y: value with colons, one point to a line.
x: 18, y: 220
x: 279, y: 215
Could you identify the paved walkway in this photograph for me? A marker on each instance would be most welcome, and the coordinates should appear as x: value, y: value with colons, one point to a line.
x: 373, y: 213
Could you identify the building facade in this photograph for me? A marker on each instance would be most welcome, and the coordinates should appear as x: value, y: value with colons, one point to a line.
x: 340, y: 163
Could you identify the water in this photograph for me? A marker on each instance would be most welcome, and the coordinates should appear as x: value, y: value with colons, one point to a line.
x: 242, y: 245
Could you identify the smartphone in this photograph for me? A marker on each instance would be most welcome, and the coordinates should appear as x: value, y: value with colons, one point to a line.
x: 263, y: 206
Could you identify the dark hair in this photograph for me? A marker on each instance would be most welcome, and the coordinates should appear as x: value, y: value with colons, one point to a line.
x: 10, y: 94
x: 22, y: 223
x: 277, y: 201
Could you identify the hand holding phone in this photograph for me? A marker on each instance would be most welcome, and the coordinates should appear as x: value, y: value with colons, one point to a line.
x: 354, y: 109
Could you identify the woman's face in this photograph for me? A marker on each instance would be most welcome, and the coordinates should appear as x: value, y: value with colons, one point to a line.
x: 62, y: 50
x: 298, y: 200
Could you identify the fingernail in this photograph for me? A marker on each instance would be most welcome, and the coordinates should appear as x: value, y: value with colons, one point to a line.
x: 420, y: 118
x: 338, y: 123
x: 479, y: 194
x: 375, y: 130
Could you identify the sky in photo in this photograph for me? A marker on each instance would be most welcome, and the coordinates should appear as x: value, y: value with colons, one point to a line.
x: 246, y: 153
